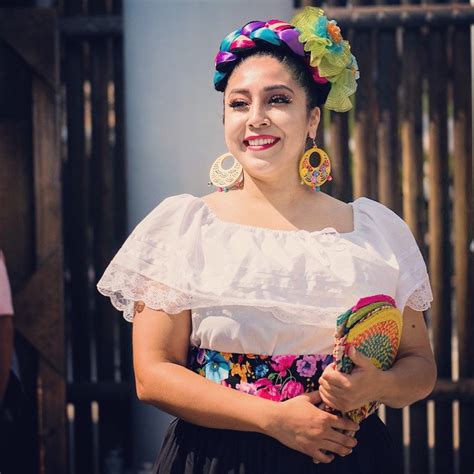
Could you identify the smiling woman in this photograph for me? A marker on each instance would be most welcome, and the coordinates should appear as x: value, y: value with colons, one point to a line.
x: 235, y: 296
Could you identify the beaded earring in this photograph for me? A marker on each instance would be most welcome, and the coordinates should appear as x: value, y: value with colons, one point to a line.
x: 226, y: 179
x: 315, y: 176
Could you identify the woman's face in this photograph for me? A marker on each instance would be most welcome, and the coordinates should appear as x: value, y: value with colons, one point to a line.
x: 265, y: 118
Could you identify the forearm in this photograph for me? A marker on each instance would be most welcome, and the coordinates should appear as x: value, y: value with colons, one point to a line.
x: 186, y: 394
x: 410, y: 379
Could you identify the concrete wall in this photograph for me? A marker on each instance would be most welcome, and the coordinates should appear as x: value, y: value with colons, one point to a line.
x: 174, y: 125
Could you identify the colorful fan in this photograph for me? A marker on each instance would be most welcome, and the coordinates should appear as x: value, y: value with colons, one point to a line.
x: 374, y: 327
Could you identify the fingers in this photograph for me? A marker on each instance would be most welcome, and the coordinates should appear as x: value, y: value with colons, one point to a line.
x: 320, y: 456
x: 344, y: 423
x: 342, y: 439
x: 336, y: 448
x: 314, y: 397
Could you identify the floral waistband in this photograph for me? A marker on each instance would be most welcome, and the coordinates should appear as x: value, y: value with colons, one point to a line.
x: 276, y: 377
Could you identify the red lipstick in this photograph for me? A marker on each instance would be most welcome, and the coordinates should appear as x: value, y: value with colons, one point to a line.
x: 263, y: 146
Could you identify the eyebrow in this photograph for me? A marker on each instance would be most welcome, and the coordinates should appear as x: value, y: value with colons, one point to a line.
x: 268, y: 88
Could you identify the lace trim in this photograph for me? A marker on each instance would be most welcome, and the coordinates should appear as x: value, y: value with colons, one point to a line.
x: 422, y: 296
x: 124, y: 287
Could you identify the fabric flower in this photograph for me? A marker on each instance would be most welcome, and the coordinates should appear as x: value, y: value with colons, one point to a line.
x: 281, y: 363
x: 216, y: 367
x: 266, y: 389
x: 328, y: 360
x: 245, y: 387
x: 261, y: 370
x: 306, y: 366
x: 201, y: 355
x: 241, y: 370
x: 291, y: 389
x: 330, y: 53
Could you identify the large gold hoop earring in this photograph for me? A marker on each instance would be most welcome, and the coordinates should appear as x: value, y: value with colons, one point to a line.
x: 226, y: 179
x: 315, y: 176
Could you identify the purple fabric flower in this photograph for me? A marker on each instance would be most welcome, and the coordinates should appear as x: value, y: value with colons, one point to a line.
x: 306, y: 366
x: 326, y: 361
x: 201, y: 355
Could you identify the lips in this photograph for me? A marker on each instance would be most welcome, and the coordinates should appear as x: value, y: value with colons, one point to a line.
x: 260, y: 142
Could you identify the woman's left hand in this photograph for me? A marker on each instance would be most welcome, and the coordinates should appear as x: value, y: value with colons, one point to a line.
x: 346, y: 392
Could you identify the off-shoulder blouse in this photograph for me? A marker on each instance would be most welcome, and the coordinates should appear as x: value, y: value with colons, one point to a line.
x: 259, y: 290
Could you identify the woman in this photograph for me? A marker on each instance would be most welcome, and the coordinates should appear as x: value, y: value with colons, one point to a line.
x: 234, y: 296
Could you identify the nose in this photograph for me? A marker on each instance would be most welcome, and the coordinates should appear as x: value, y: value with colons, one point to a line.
x: 258, y: 116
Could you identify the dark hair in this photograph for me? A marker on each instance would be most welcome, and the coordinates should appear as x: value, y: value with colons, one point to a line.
x: 316, y: 94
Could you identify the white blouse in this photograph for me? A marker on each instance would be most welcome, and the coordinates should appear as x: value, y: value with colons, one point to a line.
x: 258, y: 290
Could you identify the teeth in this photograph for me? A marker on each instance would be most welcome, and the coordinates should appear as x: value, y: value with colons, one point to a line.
x: 261, y: 141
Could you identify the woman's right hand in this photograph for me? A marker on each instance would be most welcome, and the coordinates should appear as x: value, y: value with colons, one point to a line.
x: 300, y: 425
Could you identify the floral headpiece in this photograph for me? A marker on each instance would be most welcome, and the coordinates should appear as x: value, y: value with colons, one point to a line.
x: 310, y: 36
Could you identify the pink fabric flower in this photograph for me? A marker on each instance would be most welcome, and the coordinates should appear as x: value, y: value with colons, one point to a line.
x: 291, y: 389
x: 246, y: 387
x: 266, y: 389
x: 281, y: 363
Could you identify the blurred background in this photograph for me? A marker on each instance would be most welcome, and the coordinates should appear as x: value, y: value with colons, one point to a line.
x: 107, y: 107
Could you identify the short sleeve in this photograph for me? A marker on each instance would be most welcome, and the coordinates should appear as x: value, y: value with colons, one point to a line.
x: 6, y: 306
x: 147, y: 266
x: 413, y: 286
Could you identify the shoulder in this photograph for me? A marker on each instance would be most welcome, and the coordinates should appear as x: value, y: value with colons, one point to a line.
x: 382, y: 216
x: 335, y: 206
x: 213, y: 199
x: 395, y: 231
x: 170, y: 210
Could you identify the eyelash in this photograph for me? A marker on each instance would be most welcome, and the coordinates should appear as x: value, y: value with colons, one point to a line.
x: 285, y: 100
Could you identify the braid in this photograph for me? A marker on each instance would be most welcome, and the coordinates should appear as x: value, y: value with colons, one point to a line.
x: 259, y: 35
x: 311, y: 46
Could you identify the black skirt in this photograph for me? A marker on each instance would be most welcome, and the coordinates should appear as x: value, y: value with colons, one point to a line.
x: 188, y: 448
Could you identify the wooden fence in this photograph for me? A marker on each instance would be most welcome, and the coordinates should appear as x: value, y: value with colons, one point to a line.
x: 408, y: 144
x: 30, y: 228
x: 94, y: 196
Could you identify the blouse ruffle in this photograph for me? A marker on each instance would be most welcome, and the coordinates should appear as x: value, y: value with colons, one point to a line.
x: 181, y: 256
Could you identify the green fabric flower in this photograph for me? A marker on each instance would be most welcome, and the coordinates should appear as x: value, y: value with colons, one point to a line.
x: 330, y: 53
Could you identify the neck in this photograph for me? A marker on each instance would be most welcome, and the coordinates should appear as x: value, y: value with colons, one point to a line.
x: 282, y: 194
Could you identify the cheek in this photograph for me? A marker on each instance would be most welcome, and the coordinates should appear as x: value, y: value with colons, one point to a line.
x: 234, y: 128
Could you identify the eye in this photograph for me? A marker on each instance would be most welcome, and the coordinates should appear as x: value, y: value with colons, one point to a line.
x: 235, y: 104
x: 280, y: 99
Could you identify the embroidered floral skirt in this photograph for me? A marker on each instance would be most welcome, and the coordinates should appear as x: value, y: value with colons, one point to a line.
x: 188, y: 448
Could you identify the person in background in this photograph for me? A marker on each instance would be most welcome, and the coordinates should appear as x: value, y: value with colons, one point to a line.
x: 10, y: 384
x: 6, y: 328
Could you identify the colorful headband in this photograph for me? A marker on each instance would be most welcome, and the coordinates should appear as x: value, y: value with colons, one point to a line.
x: 310, y: 36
